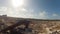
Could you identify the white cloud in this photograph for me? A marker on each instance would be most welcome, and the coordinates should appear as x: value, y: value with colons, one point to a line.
x: 10, y: 12
x: 3, y: 8
x: 43, y: 14
x: 23, y: 12
x: 23, y: 9
x: 20, y: 11
x: 55, y: 14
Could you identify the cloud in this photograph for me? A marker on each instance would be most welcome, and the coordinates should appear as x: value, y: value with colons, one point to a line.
x: 43, y: 15
x: 22, y: 12
x: 6, y: 8
x: 3, y: 10
x: 54, y: 14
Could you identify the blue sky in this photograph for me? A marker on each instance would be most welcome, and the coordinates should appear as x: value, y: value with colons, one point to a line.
x: 39, y: 9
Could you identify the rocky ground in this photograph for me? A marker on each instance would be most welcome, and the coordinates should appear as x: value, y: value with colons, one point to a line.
x: 39, y: 26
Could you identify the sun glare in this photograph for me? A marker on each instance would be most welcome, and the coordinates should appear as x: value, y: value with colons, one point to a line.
x: 17, y: 3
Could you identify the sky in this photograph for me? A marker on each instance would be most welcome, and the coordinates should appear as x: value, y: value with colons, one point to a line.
x: 38, y: 9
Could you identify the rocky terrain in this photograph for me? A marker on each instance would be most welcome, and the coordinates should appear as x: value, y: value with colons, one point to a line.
x: 39, y: 26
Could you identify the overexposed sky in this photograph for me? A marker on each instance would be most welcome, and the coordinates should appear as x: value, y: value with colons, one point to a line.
x: 39, y: 9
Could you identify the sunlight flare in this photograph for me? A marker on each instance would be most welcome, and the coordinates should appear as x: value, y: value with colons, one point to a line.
x: 17, y: 3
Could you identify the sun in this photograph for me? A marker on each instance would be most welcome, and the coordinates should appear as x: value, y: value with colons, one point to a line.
x: 17, y: 3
